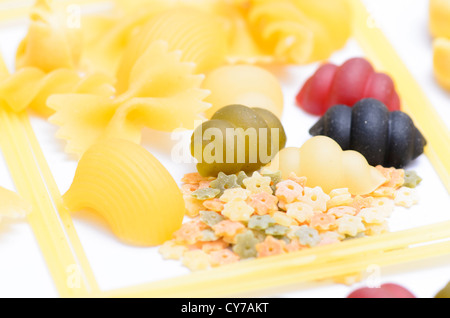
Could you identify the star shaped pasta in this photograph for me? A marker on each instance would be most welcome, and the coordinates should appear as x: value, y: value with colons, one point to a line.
x: 258, y: 183
x: 163, y: 94
x: 350, y: 225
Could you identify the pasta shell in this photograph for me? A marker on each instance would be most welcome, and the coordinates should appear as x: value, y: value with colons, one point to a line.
x: 127, y: 186
x: 198, y: 35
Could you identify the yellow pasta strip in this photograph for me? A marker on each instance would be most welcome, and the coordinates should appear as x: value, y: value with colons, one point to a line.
x: 64, y: 266
x: 308, y: 265
x: 55, y: 194
x: 415, y: 102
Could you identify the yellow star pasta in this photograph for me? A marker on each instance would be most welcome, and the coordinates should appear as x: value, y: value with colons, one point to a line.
x: 163, y: 94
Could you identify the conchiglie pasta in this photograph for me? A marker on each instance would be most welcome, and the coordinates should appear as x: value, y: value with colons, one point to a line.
x: 127, y: 186
x: 199, y: 35
x: 248, y: 85
x: 51, y: 42
x: 324, y: 164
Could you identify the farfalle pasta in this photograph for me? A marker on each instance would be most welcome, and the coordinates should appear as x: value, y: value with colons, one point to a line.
x: 51, y: 42
x: 30, y: 87
x: 300, y: 31
x: 127, y: 186
x: 163, y: 94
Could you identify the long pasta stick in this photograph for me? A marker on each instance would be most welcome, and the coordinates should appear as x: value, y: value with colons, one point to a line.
x: 252, y: 275
x: 19, y: 141
x: 44, y: 220
x: 379, y: 50
x: 323, y: 271
x: 55, y: 194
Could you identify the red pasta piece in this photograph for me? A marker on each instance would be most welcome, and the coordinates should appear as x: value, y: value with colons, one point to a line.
x: 346, y: 84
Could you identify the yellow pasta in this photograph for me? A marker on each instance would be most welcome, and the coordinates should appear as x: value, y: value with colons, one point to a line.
x: 127, y: 186
x: 163, y: 94
x: 51, y: 41
x: 441, y: 61
x: 200, y: 37
x: 324, y: 164
x: 107, y: 35
x: 300, y: 31
x: 30, y: 87
x: 439, y: 18
x: 248, y: 85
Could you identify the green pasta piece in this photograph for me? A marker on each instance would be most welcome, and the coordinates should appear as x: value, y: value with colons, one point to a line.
x: 277, y: 230
x: 224, y: 182
x: 245, y: 245
x: 210, y: 218
x: 260, y: 222
x: 412, y: 179
x: 205, y: 193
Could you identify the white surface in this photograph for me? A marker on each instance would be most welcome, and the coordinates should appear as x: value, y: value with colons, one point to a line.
x: 23, y: 273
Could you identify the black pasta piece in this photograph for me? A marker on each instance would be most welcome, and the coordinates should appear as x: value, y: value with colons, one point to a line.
x: 384, y: 138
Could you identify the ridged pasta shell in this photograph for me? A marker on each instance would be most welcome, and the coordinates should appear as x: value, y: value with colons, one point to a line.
x: 198, y: 35
x: 126, y: 185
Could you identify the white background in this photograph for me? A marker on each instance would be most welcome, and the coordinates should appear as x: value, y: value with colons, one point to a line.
x: 23, y: 272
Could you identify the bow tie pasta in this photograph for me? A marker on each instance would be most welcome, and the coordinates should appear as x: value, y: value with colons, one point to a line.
x: 163, y: 94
